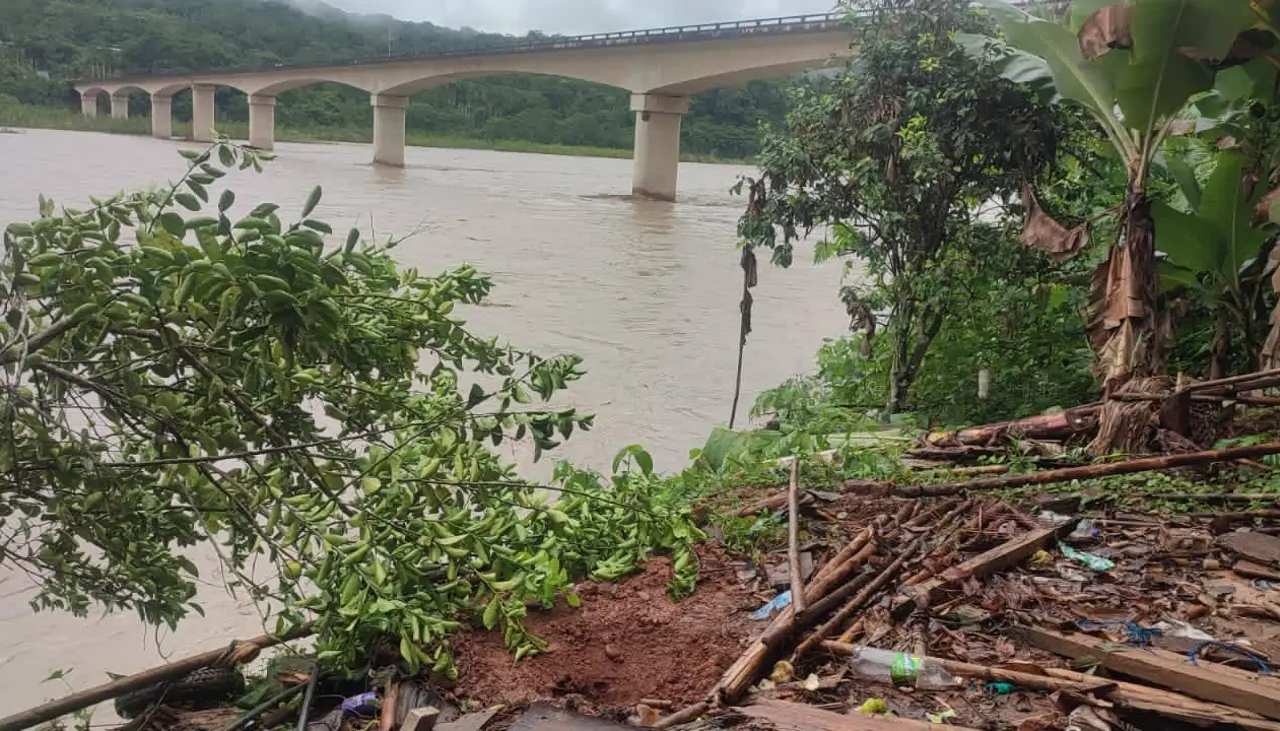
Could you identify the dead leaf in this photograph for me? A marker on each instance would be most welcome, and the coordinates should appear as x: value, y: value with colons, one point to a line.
x: 1262, y: 213
x: 1046, y: 234
x: 1106, y: 29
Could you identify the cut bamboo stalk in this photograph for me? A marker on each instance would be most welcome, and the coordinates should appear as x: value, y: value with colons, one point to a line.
x: 1146, y: 464
x: 138, y: 681
x: 793, y: 540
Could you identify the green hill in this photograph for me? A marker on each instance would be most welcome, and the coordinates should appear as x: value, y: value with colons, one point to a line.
x: 46, y: 43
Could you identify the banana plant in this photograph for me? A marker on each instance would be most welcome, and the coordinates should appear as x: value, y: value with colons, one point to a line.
x: 1134, y: 65
x: 1213, y: 252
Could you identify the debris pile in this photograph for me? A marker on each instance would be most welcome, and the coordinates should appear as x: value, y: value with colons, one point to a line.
x: 970, y: 612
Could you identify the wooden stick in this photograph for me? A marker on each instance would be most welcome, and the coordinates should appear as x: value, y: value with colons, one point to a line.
x: 1146, y: 464
x: 793, y: 540
x: 120, y: 686
x: 787, y: 716
x: 390, y: 701
x: 887, y: 574
x: 684, y: 715
x: 1254, y: 381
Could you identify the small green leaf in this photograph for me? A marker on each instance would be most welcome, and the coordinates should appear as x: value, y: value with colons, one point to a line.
x: 187, y: 201
x: 313, y: 200
x: 173, y: 223
x: 226, y: 200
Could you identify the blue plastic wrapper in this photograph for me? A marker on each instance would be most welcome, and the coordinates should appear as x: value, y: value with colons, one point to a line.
x: 777, y: 604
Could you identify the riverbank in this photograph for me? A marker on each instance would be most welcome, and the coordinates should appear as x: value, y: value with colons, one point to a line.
x: 20, y: 117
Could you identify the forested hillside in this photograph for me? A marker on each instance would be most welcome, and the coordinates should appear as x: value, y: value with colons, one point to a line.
x: 46, y: 43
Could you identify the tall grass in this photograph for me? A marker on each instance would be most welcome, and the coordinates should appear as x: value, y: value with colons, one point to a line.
x: 33, y: 117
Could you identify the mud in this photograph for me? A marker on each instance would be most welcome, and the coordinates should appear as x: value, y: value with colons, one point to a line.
x: 628, y: 641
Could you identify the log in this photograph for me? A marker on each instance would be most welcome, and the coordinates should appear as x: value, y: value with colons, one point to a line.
x: 138, y: 681
x: 1045, y: 426
x: 1207, y: 681
x: 773, y: 637
x: 1086, y: 472
x: 793, y: 540
x: 773, y: 502
x: 786, y: 716
x: 390, y: 703
x: 886, y: 575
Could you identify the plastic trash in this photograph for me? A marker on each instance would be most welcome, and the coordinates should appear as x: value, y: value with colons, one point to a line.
x: 1097, y: 563
x: 777, y: 604
x: 901, y: 669
x: 365, y: 704
x: 1176, y: 628
x: 999, y: 688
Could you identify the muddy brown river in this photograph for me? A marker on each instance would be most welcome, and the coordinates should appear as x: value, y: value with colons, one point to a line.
x: 646, y: 292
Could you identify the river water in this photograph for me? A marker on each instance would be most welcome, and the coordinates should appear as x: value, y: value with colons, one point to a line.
x: 646, y: 292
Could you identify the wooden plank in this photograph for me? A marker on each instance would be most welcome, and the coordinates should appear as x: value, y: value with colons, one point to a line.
x: 1258, y: 547
x: 799, y: 717
x: 1207, y: 681
x: 1009, y: 554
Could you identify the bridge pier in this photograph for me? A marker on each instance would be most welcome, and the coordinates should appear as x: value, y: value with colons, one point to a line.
x: 388, y: 129
x: 161, y: 116
x: 89, y: 104
x: 262, y: 122
x: 202, y: 112
x: 656, y: 164
x: 120, y: 106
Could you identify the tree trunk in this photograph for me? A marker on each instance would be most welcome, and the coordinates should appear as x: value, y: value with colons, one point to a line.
x: 1122, y: 310
x: 1220, y: 346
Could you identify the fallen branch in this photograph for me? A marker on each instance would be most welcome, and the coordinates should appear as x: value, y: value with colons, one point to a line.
x: 1088, y: 472
x: 237, y: 652
x: 1045, y: 426
x: 793, y: 541
x: 683, y: 715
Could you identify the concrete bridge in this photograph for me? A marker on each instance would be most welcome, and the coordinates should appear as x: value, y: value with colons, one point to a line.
x: 660, y: 67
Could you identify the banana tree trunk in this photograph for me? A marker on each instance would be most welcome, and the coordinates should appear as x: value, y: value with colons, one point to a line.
x: 1122, y: 302
x: 1123, y: 329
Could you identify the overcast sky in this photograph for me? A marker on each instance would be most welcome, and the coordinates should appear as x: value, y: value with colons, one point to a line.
x: 580, y: 16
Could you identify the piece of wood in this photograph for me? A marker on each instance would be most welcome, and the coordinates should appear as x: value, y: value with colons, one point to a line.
x: 421, y: 719
x: 786, y: 716
x: 1257, y: 547
x: 1087, y: 472
x: 1011, y: 553
x: 470, y: 722
x: 390, y: 704
x: 773, y: 502
x: 1207, y: 681
x: 793, y: 540
x: 1045, y: 426
x: 1251, y: 570
x: 1171, y: 704
x: 138, y: 681
x: 684, y: 715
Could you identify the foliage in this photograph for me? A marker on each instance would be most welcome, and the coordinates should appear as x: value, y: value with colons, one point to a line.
x: 67, y: 39
x: 176, y: 375
x: 902, y: 160
x: 1133, y: 67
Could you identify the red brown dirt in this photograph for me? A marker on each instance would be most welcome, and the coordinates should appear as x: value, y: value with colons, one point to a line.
x: 626, y: 642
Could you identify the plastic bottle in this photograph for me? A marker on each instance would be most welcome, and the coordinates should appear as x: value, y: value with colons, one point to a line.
x: 901, y: 669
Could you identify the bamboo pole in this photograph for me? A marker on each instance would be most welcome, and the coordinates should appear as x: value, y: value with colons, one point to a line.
x: 793, y: 541
x: 1146, y: 464
x: 146, y: 678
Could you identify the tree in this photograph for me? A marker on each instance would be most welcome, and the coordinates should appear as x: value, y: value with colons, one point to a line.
x: 898, y: 159
x: 176, y: 379
x: 1133, y: 66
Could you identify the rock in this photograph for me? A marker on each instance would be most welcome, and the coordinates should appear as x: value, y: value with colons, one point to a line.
x: 612, y: 653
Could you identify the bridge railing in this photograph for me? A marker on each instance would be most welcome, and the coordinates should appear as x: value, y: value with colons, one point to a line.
x: 704, y: 31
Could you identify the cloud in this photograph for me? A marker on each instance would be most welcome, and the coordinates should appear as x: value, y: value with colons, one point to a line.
x: 580, y: 16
